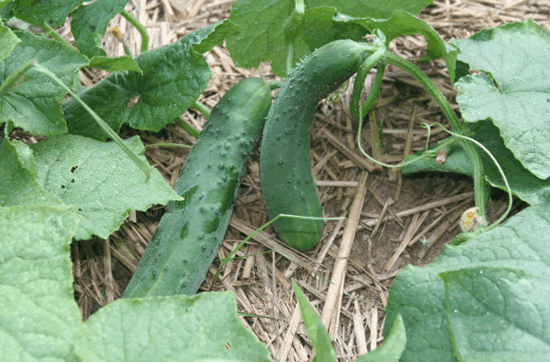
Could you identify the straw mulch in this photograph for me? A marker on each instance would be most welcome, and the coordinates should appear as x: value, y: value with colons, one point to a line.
x: 390, y: 221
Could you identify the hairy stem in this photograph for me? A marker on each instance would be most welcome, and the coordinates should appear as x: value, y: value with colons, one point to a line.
x: 13, y: 78
x: 479, y: 183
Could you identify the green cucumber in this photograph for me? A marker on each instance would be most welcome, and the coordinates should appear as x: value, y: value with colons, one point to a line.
x: 185, y: 242
x: 285, y: 161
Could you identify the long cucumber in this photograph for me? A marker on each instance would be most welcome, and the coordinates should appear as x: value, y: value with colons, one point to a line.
x: 185, y: 242
x: 285, y: 161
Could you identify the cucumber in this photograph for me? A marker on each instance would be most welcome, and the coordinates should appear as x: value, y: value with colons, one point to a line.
x: 185, y: 242
x: 285, y: 161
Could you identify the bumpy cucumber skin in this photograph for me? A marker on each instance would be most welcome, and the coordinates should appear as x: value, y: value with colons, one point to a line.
x: 285, y: 162
x: 185, y: 242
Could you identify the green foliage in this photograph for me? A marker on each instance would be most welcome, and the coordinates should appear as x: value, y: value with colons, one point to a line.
x: 485, y: 297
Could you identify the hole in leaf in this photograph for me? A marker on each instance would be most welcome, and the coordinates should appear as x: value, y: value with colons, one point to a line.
x: 133, y: 101
x: 74, y: 168
x: 62, y: 186
x: 227, y: 346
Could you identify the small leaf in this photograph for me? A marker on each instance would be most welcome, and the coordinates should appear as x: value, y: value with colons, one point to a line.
x: 515, y: 90
x: 102, y: 182
x: 498, y: 314
x: 393, y: 346
x: 90, y: 22
x: 315, y: 328
x: 124, y: 62
x: 39, y: 317
x: 204, y: 327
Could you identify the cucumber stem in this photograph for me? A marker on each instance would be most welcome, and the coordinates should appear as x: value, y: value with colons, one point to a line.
x: 205, y: 111
x: 139, y: 26
x: 59, y: 38
x: 479, y: 182
x: 13, y: 78
x: 187, y: 127
x: 274, y: 84
x: 362, y: 73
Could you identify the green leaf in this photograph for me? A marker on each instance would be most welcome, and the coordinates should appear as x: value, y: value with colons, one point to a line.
x: 418, y: 294
x: 515, y: 91
x: 393, y: 346
x: 523, y: 183
x: 8, y: 41
x: 315, y: 328
x: 101, y: 181
x: 34, y: 103
x: 174, y: 76
x: 498, y: 314
x: 260, y: 34
x: 19, y: 185
x: 90, y: 22
x: 38, y: 315
x: 38, y: 12
x: 124, y: 62
x: 174, y: 328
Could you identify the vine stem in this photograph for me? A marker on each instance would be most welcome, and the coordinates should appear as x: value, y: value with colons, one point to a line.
x: 59, y: 38
x: 187, y: 127
x: 12, y: 79
x: 362, y: 73
x: 139, y: 26
x: 479, y: 186
x: 204, y: 110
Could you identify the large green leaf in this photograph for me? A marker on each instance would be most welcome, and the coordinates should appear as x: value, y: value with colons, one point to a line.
x: 100, y: 180
x: 261, y: 27
x: 34, y: 104
x: 19, y: 178
x: 174, y: 76
x: 523, y: 183
x: 174, y: 328
x: 90, y: 22
x: 418, y: 294
x: 515, y: 90
x: 498, y: 314
x: 38, y: 315
x: 38, y: 12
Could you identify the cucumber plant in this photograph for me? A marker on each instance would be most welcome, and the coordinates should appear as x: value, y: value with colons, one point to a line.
x: 185, y: 242
x: 285, y: 162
